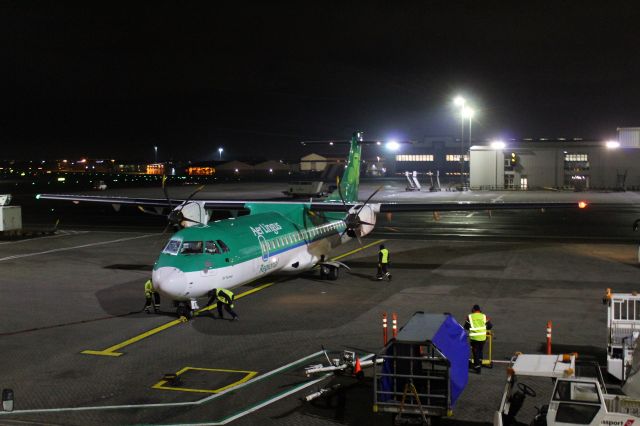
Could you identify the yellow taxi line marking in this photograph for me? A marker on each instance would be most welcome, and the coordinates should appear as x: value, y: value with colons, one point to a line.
x: 349, y: 253
x: 247, y: 375
x: 111, y: 351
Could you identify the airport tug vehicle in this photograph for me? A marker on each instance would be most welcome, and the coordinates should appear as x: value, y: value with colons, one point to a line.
x: 578, y: 395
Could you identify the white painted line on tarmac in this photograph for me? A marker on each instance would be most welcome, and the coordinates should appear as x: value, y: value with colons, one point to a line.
x: 499, y: 198
x: 169, y: 404
x: 101, y: 243
x: 470, y: 214
x: 38, y: 238
x: 266, y: 402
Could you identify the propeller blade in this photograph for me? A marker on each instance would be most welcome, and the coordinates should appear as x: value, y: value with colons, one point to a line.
x: 359, y: 240
x: 143, y: 210
x: 198, y: 189
x: 166, y: 193
x: 389, y: 216
x: 370, y: 197
x: 362, y: 222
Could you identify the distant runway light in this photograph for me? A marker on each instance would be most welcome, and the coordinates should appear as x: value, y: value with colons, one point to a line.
x: 582, y: 204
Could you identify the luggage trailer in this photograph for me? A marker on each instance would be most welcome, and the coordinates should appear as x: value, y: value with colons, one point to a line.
x: 416, y: 377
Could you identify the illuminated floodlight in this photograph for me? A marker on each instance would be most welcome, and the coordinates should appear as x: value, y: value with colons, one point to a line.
x: 331, y: 143
x: 467, y: 112
x: 459, y: 101
x: 378, y: 143
x: 498, y: 145
x: 582, y: 204
x: 393, y: 145
x: 612, y: 144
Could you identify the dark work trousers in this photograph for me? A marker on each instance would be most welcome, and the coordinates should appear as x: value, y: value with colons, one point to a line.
x: 156, y: 301
x: 476, y: 349
x: 382, y: 269
x: 226, y: 308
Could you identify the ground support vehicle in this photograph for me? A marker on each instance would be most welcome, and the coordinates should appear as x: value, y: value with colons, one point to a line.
x: 306, y: 189
x: 424, y: 370
x: 623, y: 329
x: 562, y: 392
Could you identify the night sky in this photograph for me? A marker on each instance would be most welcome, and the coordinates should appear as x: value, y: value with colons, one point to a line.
x: 112, y: 80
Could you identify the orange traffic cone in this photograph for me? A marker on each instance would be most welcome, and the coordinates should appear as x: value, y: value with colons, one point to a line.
x: 357, y: 370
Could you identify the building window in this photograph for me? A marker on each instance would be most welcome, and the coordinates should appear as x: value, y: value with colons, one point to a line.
x: 422, y: 157
x: 576, y: 157
x: 454, y: 157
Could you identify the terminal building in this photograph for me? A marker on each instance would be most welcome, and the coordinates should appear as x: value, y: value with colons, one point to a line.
x: 559, y: 163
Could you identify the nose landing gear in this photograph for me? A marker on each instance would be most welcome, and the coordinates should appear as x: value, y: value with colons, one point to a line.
x: 186, y: 309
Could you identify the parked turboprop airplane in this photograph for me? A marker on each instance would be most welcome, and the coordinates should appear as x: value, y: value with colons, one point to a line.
x: 273, y: 237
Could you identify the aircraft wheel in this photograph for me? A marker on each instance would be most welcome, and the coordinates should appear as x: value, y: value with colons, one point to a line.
x: 183, y: 311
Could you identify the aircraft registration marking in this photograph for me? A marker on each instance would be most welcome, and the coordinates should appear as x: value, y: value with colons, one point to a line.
x: 113, y: 350
x: 247, y: 375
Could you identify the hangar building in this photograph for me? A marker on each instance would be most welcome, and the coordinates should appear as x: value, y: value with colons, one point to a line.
x: 559, y: 163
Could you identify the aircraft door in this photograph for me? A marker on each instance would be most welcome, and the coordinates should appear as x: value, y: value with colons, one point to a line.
x: 264, y: 248
x: 264, y: 255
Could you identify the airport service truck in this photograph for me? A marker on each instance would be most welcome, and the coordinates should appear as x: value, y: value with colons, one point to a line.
x: 568, y: 393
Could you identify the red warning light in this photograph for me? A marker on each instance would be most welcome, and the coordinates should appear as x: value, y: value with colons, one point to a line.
x: 582, y: 204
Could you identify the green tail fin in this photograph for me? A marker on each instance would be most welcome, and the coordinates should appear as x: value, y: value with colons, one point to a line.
x: 351, y: 177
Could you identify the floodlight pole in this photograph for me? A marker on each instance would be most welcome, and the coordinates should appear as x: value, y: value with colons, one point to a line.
x: 462, y: 149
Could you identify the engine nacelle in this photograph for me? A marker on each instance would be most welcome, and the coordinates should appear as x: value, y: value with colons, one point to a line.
x: 367, y: 214
x: 195, y: 211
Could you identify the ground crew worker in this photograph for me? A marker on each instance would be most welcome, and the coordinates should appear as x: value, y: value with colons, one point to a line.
x: 477, y: 324
x: 225, y: 298
x: 383, y: 263
x: 151, y: 293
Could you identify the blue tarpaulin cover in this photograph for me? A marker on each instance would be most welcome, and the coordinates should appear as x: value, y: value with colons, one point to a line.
x: 444, y: 332
x: 451, y: 340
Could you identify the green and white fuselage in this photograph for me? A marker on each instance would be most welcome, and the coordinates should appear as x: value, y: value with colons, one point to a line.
x: 273, y: 237
x: 232, y: 252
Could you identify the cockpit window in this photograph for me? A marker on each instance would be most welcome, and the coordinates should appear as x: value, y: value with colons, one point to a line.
x: 223, y: 246
x: 172, y: 247
x: 210, y: 247
x: 191, y: 247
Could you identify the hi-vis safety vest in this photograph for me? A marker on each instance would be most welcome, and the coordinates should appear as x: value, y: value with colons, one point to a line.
x: 385, y: 255
x: 478, y: 329
x: 148, y: 288
x: 228, y: 299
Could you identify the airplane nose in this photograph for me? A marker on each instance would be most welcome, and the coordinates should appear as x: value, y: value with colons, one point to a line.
x: 171, y: 282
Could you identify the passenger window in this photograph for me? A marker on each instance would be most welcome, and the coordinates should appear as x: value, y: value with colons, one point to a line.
x: 191, y: 247
x: 210, y: 247
x: 223, y: 246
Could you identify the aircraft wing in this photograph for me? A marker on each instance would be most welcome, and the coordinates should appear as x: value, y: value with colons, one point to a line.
x: 151, y: 202
x: 315, y: 206
x: 470, y: 206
